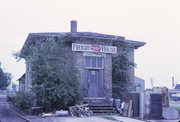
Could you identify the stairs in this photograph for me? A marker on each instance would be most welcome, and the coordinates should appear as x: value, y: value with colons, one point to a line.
x: 101, y: 105
x: 102, y: 109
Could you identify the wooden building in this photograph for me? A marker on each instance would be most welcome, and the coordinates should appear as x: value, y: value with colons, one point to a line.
x: 92, y: 55
x: 22, y: 83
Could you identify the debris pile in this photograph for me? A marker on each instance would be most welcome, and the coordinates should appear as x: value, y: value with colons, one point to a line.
x: 47, y: 115
x: 127, y: 109
x: 61, y: 113
x: 80, y: 110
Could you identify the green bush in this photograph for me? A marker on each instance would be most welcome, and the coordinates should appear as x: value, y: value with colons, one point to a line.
x: 24, y: 101
x: 121, y: 66
x: 54, y: 78
x: 11, y: 98
x: 57, y: 91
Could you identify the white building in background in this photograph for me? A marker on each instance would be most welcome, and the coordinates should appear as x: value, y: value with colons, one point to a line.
x: 139, y: 84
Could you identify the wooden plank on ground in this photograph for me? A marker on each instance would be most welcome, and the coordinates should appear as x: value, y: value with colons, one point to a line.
x: 129, y: 109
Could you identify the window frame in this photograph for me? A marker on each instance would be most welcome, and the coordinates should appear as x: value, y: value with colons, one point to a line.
x: 96, y: 63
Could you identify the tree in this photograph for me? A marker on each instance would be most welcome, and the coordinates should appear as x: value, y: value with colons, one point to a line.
x: 5, y: 79
x: 120, y: 75
x: 54, y: 79
x: 14, y: 87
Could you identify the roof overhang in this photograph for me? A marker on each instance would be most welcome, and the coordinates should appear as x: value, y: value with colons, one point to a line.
x: 86, y: 35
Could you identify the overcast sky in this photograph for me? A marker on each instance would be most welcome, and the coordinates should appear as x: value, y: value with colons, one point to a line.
x: 156, y: 22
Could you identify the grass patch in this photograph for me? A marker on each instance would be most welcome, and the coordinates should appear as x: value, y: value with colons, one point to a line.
x: 110, y: 118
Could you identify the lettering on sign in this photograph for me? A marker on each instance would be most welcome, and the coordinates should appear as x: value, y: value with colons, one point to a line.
x: 94, y: 48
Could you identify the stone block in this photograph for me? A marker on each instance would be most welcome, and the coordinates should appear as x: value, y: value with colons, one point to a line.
x: 170, y: 113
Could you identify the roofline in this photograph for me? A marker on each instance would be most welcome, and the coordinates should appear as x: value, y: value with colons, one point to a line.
x: 86, y: 35
x: 136, y: 44
x: 139, y: 78
x: 23, y: 76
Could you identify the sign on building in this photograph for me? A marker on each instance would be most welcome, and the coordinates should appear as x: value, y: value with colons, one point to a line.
x: 94, y: 48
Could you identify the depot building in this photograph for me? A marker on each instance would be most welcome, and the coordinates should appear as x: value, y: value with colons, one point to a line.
x: 92, y: 56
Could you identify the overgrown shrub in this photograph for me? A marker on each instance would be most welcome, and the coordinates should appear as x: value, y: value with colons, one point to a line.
x: 24, y: 101
x: 11, y: 98
x: 120, y: 73
x: 54, y: 79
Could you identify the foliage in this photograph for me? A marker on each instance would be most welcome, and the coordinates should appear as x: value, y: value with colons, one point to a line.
x: 120, y: 73
x: 24, y: 101
x: 54, y: 79
x: 5, y: 79
x: 10, y: 97
x: 14, y: 86
x: 110, y: 118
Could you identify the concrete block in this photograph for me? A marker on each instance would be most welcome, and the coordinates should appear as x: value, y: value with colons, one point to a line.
x: 170, y: 113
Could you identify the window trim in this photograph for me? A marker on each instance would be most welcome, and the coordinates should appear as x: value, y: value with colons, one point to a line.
x: 96, y: 67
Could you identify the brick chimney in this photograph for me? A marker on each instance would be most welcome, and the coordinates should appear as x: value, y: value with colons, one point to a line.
x: 73, y: 26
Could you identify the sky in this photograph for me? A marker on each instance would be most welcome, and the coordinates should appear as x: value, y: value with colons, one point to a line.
x: 156, y: 22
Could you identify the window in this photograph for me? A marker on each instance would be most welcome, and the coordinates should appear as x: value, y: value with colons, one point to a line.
x: 87, y: 62
x: 99, y: 62
x: 94, y: 62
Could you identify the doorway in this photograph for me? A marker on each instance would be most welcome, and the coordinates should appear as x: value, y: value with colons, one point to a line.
x: 93, y: 83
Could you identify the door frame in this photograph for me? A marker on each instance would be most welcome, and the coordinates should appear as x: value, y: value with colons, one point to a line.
x: 98, y: 67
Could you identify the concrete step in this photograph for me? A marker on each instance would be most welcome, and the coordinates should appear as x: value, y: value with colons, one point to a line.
x: 102, y: 109
x: 99, y: 102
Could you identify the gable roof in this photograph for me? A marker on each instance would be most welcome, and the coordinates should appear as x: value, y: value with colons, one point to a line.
x: 22, y: 77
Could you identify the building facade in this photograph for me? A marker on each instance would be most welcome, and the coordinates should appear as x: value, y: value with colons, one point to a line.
x: 92, y: 55
x: 139, y: 85
x: 22, y: 83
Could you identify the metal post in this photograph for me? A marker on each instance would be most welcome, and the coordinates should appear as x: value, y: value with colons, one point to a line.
x: 173, y: 82
x: 141, y: 105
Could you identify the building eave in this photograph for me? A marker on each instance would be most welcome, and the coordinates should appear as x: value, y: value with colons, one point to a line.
x: 75, y: 35
x: 22, y: 77
x: 136, y: 44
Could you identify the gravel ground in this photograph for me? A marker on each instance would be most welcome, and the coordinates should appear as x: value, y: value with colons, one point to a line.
x: 6, y: 115
x: 105, y: 118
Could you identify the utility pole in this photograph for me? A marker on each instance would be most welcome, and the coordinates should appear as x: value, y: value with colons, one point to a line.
x: 173, y: 82
x: 151, y: 82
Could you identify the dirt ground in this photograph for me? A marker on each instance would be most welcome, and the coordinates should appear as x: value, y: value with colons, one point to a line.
x: 102, y: 118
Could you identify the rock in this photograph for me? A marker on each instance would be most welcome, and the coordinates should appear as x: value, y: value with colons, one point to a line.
x: 170, y: 113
